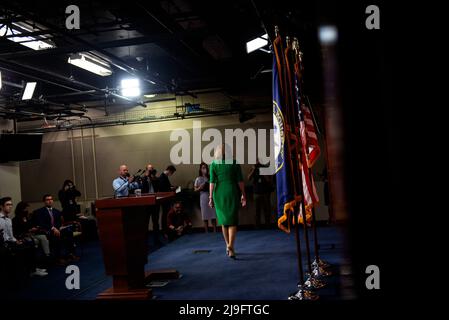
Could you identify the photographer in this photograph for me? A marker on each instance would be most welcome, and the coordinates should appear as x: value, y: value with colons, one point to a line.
x: 166, y: 186
x: 124, y: 183
x: 178, y: 223
x: 67, y: 196
x: 150, y: 184
x: 71, y: 211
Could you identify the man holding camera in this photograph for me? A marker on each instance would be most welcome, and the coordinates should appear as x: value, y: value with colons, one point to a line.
x: 150, y: 184
x: 124, y: 183
x: 177, y: 222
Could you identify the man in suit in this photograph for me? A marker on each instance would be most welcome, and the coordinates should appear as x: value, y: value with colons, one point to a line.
x: 166, y: 186
x: 150, y: 184
x: 49, y: 221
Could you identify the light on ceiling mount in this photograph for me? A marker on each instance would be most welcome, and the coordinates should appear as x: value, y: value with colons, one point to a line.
x: 13, y: 33
x: 90, y: 63
x: 29, y: 90
x: 257, y: 44
x: 328, y: 34
x: 130, y: 87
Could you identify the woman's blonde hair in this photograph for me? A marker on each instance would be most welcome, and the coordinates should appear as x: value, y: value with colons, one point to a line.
x: 219, y: 155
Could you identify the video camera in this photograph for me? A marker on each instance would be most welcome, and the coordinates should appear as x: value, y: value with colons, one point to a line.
x: 137, y: 176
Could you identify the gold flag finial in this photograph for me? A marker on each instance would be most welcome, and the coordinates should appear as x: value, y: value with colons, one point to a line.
x: 295, y: 43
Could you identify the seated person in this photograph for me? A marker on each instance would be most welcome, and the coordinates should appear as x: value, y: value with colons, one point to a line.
x: 24, y: 230
x: 23, y: 251
x: 177, y: 222
x: 50, y: 221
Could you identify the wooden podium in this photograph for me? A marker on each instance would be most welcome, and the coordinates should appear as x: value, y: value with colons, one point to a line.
x: 123, y: 231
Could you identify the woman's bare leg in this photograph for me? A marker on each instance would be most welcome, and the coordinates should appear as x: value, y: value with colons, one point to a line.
x: 232, y: 232
x: 225, y: 234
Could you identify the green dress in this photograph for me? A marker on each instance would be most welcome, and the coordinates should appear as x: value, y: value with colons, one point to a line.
x: 225, y: 175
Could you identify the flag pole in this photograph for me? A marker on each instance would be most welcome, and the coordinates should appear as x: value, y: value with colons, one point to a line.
x: 312, y: 282
x: 304, y: 292
x: 297, y: 176
x: 288, y: 155
x: 279, y: 56
x: 319, y: 265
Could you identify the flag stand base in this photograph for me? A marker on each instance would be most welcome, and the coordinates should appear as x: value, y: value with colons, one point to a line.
x: 303, y: 294
x: 319, y: 271
x: 314, y: 283
x: 321, y: 263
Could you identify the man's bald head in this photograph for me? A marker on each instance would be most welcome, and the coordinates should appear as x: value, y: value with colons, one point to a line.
x: 123, y: 170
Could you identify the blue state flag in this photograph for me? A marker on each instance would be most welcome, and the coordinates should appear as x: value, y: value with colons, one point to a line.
x: 285, y: 198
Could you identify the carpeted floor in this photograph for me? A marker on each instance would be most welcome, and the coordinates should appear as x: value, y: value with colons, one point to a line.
x: 266, y: 268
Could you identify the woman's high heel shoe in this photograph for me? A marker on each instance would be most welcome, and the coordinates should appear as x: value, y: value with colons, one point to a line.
x: 231, y: 253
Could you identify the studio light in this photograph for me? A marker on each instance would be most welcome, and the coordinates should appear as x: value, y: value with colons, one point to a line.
x: 16, y: 28
x: 29, y: 90
x: 328, y: 34
x: 130, y: 87
x: 90, y: 63
x: 257, y: 43
x: 149, y: 95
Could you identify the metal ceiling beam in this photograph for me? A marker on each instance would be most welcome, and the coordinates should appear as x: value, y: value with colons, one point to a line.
x: 13, y: 67
x: 118, y: 62
x: 103, y: 45
x: 111, y: 58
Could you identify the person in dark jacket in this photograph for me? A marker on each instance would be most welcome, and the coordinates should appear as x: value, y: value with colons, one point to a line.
x: 166, y: 186
x: 72, y: 213
x: 178, y: 223
x: 50, y: 220
x: 67, y: 196
x: 24, y: 229
x: 150, y: 184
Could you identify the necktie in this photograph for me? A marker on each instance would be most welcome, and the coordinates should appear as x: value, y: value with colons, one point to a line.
x: 51, y: 217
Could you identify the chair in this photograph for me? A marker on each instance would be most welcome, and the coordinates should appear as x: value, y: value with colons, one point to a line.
x: 77, y: 234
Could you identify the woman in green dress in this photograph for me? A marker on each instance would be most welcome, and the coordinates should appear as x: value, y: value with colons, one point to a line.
x: 227, y: 192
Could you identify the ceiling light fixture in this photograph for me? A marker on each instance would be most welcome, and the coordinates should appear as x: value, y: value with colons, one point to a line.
x: 13, y: 33
x: 257, y: 43
x: 90, y: 63
x: 29, y: 90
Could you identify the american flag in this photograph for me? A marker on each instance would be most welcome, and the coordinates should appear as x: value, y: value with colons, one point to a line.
x: 310, y: 151
x: 309, y: 138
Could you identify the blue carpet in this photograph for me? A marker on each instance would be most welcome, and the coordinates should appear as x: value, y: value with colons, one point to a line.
x: 266, y: 268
